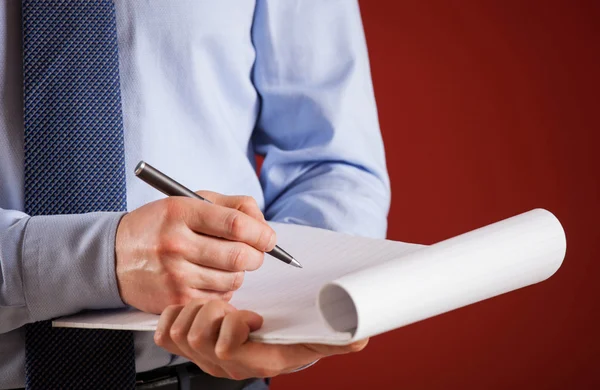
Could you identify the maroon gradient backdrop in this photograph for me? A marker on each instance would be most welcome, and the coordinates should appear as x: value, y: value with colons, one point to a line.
x: 488, y: 109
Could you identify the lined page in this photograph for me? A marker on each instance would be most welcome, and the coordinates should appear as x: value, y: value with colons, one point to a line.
x: 287, y: 297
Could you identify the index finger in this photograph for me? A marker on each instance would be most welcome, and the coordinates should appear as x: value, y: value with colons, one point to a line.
x: 228, y: 223
x: 246, y: 204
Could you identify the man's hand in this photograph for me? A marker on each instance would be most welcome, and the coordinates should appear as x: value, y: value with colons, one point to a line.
x: 214, y: 336
x: 177, y: 249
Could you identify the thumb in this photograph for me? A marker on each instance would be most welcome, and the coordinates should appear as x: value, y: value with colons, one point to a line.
x: 329, y: 350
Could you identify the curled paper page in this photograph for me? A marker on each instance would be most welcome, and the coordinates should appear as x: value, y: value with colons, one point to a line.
x: 474, y: 266
x: 356, y: 287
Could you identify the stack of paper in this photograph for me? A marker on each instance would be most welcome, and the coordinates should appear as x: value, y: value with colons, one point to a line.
x: 352, y: 287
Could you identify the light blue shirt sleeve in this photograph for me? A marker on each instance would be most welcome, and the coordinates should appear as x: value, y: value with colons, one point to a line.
x: 324, y: 162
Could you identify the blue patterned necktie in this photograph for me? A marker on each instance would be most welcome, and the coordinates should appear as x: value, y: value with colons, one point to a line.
x: 74, y: 163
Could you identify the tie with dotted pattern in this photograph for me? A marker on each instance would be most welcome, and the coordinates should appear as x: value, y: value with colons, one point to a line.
x: 74, y: 163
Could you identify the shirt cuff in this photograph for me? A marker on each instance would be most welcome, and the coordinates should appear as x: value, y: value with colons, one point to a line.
x: 68, y: 264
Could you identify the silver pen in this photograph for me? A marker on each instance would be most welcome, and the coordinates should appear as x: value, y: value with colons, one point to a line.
x: 170, y: 187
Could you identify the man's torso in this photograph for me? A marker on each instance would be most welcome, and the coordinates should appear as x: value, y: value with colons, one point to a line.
x: 189, y: 108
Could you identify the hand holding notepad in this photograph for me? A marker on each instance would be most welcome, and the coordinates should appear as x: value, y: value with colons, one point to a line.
x: 352, y: 287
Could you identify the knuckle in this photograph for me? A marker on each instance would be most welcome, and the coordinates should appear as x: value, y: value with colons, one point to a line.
x: 227, y: 296
x: 238, y: 280
x: 194, y: 340
x: 156, y: 249
x: 222, y: 354
x: 237, y: 257
x: 177, y: 334
x: 160, y: 339
x: 234, y: 224
x: 170, y: 245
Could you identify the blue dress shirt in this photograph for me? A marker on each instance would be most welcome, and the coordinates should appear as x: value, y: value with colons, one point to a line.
x: 205, y: 86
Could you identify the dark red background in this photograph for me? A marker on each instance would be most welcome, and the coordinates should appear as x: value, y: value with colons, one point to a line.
x: 488, y: 109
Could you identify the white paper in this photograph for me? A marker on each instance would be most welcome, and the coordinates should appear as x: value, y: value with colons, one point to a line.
x: 121, y: 319
x: 354, y: 287
x: 469, y: 268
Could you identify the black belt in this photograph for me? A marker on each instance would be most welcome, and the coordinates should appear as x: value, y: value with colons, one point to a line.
x: 186, y: 376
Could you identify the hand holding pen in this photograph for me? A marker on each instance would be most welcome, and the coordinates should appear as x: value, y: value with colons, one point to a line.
x: 177, y: 250
x: 170, y: 187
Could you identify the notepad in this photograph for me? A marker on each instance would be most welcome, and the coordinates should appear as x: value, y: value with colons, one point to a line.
x: 355, y: 287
